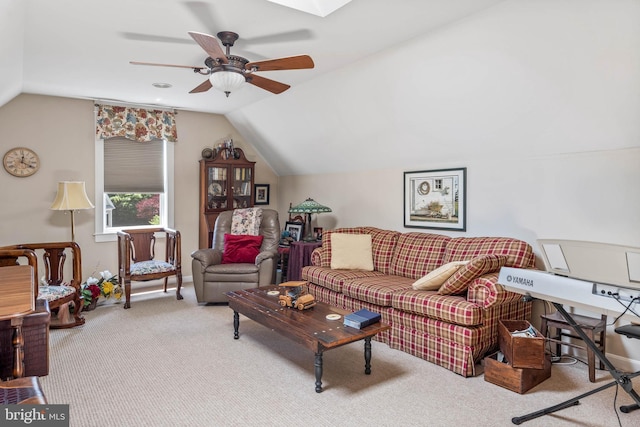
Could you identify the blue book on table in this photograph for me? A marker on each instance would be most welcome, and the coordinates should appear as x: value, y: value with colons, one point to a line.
x: 361, y: 319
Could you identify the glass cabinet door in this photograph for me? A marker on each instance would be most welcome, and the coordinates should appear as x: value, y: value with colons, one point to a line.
x: 242, y: 187
x: 216, y: 188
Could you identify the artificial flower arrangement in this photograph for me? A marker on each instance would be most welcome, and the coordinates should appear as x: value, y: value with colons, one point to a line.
x: 106, y: 286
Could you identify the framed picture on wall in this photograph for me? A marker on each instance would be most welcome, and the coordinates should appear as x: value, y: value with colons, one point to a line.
x: 295, y: 229
x: 436, y: 199
x: 262, y: 194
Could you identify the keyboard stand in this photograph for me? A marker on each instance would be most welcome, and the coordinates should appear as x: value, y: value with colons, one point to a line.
x: 620, y: 378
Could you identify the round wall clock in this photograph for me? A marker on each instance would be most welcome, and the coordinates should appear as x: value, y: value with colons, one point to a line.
x: 21, y: 162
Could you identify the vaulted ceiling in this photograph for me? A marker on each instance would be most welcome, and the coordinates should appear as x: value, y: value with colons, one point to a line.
x: 380, y: 71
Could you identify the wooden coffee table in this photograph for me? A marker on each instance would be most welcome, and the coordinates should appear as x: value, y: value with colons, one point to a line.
x: 308, y: 327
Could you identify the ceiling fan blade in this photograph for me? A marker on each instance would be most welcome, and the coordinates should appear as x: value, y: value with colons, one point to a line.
x: 154, y: 38
x: 166, y: 65
x: 288, y: 63
x: 286, y: 36
x: 210, y: 45
x: 202, y: 87
x: 267, y: 84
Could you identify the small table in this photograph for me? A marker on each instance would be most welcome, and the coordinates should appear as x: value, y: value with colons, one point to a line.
x: 307, y: 327
x: 300, y: 256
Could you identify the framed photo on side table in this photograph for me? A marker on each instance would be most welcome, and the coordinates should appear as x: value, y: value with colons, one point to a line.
x: 436, y: 199
x: 296, y: 229
x: 317, y: 233
x: 262, y: 194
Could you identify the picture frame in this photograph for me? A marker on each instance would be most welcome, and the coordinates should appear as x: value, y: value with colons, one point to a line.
x: 296, y: 229
x: 261, y: 192
x: 317, y: 233
x: 436, y: 199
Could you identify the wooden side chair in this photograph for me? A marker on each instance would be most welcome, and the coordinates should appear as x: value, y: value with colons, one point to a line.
x: 137, y: 263
x: 58, y: 291
x: 595, y: 329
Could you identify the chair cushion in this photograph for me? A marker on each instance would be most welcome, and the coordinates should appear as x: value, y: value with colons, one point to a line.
x: 52, y: 293
x: 150, y: 267
x: 241, y: 248
x: 246, y: 221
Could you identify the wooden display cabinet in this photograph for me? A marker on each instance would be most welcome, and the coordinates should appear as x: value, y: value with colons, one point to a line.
x: 225, y: 184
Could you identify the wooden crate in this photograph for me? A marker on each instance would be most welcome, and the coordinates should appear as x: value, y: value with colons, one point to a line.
x: 521, y: 352
x: 515, y: 379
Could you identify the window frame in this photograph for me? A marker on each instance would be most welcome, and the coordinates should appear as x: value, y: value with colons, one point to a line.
x: 109, y: 234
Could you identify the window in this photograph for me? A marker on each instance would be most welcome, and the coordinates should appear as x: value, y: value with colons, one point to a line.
x: 135, y: 180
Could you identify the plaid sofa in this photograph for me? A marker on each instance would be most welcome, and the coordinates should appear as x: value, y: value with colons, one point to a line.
x: 453, y: 331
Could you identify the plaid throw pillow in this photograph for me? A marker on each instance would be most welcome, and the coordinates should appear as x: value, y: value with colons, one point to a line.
x: 459, y: 281
x: 434, y: 280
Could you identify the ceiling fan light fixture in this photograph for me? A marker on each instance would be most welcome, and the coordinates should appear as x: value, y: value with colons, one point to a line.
x: 227, y: 81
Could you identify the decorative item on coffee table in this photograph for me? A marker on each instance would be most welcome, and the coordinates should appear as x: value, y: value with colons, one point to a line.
x: 296, y: 295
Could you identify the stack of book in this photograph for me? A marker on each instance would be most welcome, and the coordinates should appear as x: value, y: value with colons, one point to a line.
x: 361, y: 319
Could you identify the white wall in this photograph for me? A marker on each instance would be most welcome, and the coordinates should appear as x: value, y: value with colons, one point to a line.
x: 62, y: 133
x: 539, y: 100
x: 12, y: 17
x: 524, y: 77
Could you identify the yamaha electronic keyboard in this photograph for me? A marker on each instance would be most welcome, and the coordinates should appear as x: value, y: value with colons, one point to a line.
x: 593, y: 276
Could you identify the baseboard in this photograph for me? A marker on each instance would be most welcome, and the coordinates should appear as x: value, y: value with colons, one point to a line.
x: 623, y: 363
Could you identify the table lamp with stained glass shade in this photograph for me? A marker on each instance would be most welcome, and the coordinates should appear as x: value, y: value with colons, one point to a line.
x: 309, y: 207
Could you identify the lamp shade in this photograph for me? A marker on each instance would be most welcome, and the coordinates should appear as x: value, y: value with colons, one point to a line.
x: 309, y: 206
x: 227, y: 81
x: 71, y: 196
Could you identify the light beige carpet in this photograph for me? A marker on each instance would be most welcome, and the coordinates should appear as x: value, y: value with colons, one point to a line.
x: 175, y: 363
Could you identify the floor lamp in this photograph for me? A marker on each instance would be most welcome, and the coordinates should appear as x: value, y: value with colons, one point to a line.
x: 308, y: 207
x: 71, y: 197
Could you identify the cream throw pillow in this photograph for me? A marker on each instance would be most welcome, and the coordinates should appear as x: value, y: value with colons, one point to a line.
x: 435, y: 279
x: 351, y: 252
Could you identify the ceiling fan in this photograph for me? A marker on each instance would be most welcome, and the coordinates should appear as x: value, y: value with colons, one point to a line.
x: 228, y: 72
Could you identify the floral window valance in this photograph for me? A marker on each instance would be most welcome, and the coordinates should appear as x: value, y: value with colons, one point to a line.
x: 136, y: 124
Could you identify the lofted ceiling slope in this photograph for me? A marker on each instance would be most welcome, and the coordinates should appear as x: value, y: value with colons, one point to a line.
x: 82, y: 49
x: 392, y: 83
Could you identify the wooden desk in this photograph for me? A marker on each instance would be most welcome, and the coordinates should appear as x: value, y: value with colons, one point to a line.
x: 300, y: 256
x: 17, y: 299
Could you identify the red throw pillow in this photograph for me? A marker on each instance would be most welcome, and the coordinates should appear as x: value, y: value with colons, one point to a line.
x: 241, y: 248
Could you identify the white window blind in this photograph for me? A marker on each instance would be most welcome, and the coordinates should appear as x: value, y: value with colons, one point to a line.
x: 133, y: 167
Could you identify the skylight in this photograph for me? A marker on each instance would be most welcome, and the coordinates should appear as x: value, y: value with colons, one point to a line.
x: 316, y: 7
